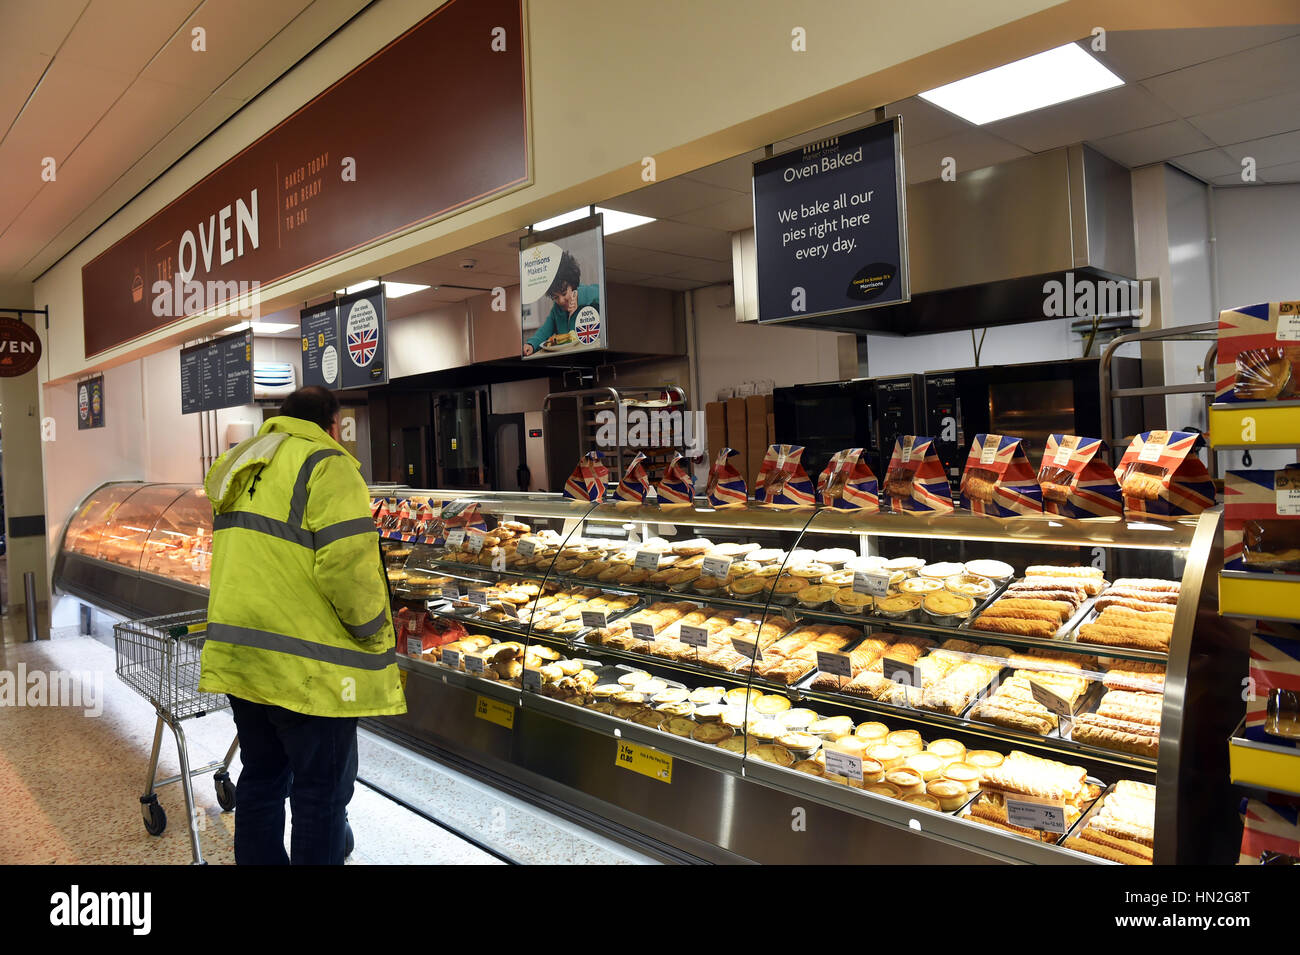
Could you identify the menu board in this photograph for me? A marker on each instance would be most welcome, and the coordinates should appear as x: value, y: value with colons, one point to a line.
x: 217, y: 374
x: 320, y: 345
x: 364, y: 357
x: 90, y: 403
x: 830, y: 230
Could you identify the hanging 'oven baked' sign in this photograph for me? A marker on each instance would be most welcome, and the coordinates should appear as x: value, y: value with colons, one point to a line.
x: 356, y: 164
x: 20, y: 348
x: 830, y: 227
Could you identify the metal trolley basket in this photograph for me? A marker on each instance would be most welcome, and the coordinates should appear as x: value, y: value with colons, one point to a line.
x: 158, y: 657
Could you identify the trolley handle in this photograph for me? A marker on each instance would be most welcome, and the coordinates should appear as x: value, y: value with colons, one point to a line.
x: 184, y: 630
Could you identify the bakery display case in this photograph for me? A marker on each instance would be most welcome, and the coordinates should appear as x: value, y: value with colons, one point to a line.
x: 812, y: 685
x: 138, y: 549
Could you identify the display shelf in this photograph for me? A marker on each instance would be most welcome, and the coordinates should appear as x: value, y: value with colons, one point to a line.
x: 1262, y: 766
x: 1259, y: 596
x: 1274, y: 424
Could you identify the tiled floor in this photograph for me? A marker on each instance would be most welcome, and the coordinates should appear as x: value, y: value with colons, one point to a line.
x: 71, y: 776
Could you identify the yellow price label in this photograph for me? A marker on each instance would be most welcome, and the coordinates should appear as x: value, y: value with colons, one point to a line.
x: 643, y: 760
x: 401, y: 678
x: 304, y: 343
x: 320, y: 339
x: 494, y: 711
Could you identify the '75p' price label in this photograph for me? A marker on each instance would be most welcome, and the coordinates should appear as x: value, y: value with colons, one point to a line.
x: 1044, y: 815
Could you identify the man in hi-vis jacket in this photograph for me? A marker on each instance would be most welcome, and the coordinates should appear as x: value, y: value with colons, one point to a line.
x: 299, y: 631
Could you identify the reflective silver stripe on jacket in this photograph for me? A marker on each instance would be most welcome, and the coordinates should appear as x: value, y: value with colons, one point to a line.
x: 349, y: 528
x: 369, y: 628
x: 298, y: 503
x: 249, y: 521
x: 280, y: 643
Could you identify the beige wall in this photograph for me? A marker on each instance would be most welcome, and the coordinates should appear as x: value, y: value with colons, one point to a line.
x: 24, y: 491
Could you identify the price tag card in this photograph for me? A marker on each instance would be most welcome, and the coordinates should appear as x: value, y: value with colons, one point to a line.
x: 1286, y: 484
x: 989, y: 454
x: 478, y: 597
x: 900, y: 671
x: 532, y: 679
x: 1047, y: 698
x: 414, y: 645
x: 644, y: 760
x: 836, y: 664
x: 1150, y: 452
x: 869, y: 582
x: 907, y: 449
x: 474, y: 541
x: 526, y: 548
x: 451, y: 590
x: 747, y: 648
x: 643, y: 631
x: 843, y: 764
x: 454, y: 508
x: 451, y: 658
x: 694, y: 636
x: 647, y: 560
x: 474, y: 664
x: 509, y: 609
x: 455, y: 538
x: 716, y: 567
x: 594, y: 618
x: 1288, y: 321
x: 494, y: 711
x: 1036, y: 814
x: 1063, y: 454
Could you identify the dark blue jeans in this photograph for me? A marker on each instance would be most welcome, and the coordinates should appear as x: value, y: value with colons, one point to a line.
x: 309, y: 760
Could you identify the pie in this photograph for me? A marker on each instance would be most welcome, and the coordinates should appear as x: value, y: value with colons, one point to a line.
x: 711, y: 733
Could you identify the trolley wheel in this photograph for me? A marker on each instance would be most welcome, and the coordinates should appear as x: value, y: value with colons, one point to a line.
x: 225, y: 791
x: 350, y: 841
x: 155, y: 819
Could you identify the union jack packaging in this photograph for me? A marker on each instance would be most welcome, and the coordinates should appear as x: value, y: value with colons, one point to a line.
x: 587, y: 482
x: 1075, y: 479
x: 1160, y: 477
x: 678, y: 484
x: 998, y: 480
x: 726, y: 487
x: 915, y: 481
x: 1259, y: 353
x: 1274, y: 665
x: 848, y: 484
x: 1268, y: 828
x: 636, y: 482
x: 781, y: 480
x: 1261, y: 521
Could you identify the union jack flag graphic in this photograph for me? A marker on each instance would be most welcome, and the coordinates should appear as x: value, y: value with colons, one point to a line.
x: 362, y: 344
x: 588, y: 332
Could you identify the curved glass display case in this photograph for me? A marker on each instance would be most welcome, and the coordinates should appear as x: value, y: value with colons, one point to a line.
x: 947, y: 688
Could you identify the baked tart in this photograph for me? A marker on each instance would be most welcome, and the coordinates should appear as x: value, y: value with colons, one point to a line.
x: 711, y: 733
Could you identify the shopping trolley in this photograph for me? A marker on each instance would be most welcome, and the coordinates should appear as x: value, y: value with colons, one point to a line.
x: 158, y: 657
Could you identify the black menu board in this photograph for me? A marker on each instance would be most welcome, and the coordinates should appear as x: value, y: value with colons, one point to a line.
x: 320, y: 345
x: 217, y: 374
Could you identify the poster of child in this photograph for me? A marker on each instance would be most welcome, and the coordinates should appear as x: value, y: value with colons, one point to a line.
x: 562, y: 288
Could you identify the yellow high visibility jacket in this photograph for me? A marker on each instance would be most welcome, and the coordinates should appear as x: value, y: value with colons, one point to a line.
x: 298, y: 612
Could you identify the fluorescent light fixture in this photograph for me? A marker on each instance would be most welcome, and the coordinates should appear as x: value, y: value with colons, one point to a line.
x: 1043, y: 79
x: 615, y: 221
x: 261, y: 328
x: 391, y: 289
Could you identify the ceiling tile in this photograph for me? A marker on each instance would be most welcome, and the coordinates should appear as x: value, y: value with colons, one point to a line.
x: 846, y: 125
x: 124, y: 35
x: 1237, y: 78
x: 734, y: 215
x: 736, y: 173
x: 667, y: 199
x: 1138, y: 54
x: 924, y: 122
x: 973, y: 149
x: 1153, y: 144
x: 1269, y: 151
x: 666, y: 236
x: 645, y: 260
x: 23, y: 70
x: 1103, y: 114
x: 625, y: 276
x: 38, y: 27
x: 677, y: 285
x: 1286, y: 172
x: 1265, y: 117
x: 1208, y: 164
x: 705, y: 271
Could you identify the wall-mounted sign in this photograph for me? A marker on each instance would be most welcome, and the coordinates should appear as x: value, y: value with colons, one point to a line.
x: 830, y: 227
x: 562, y: 289
x: 320, y: 345
x: 90, y: 403
x: 20, y: 348
x: 367, y: 158
x: 217, y: 374
x: 363, y: 339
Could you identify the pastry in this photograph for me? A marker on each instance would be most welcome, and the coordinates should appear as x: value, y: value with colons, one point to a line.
x: 1045, y: 629
x: 1124, y: 637
x: 928, y: 765
x: 948, y: 750
x: 809, y: 766
x: 920, y: 585
x: 734, y: 744
x: 950, y: 606
x: 907, y: 741
x: 1142, y: 739
x: 888, y: 755
x: 924, y: 800
x: 801, y: 744
x: 972, y: 585
x: 771, y: 704
x: 983, y: 759
x: 706, y: 694
x: 883, y: 789
x: 964, y: 774
x: 907, y: 781
x: 849, y: 600
x: 941, y: 570
x: 740, y: 696
x: 872, y: 732
x: 833, y: 728
x: 979, y: 484
x: 711, y: 733
x: 773, y: 753
x: 1063, y: 609
x: 1143, y: 483
x: 950, y: 794
x: 682, y: 708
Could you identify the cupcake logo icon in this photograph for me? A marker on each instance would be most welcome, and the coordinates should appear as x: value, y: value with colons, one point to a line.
x: 137, y: 287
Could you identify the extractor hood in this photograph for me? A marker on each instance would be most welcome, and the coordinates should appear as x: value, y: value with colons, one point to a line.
x: 983, y: 246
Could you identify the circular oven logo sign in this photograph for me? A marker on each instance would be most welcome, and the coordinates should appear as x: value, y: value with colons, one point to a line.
x: 20, y: 348
x: 363, y: 333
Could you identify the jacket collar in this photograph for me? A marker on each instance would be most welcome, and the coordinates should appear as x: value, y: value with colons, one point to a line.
x: 298, y: 427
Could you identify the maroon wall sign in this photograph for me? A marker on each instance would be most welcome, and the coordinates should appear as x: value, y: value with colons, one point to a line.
x: 20, y: 348
x: 433, y: 123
